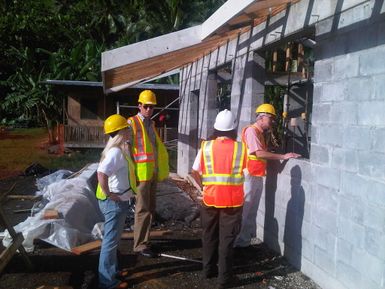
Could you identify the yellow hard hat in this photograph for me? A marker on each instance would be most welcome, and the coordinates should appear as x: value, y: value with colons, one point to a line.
x: 266, y: 108
x: 147, y: 97
x: 114, y: 122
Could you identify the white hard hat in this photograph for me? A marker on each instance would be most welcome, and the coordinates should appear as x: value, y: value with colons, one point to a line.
x: 225, y: 121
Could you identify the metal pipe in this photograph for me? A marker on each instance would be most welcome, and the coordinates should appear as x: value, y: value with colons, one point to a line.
x: 179, y: 258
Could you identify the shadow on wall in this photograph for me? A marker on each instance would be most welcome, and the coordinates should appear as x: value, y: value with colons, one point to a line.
x: 271, y: 227
x: 294, y: 219
x: 294, y: 214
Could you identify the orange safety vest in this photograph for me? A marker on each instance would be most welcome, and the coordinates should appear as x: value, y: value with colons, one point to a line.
x: 255, y: 165
x: 143, y: 152
x: 223, y: 161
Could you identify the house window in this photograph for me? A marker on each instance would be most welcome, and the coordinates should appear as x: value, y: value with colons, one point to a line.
x: 224, y: 78
x: 289, y: 87
x: 88, y: 108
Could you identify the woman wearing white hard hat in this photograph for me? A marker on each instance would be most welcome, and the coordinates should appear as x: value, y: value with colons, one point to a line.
x: 218, y: 167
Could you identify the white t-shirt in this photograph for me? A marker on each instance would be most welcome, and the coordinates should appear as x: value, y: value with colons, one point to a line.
x: 197, y: 162
x: 115, y: 167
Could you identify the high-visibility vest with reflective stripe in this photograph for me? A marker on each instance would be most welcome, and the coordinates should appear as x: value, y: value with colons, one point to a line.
x: 255, y: 165
x: 100, y: 195
x: 223, y: 161
x: 143, y: 152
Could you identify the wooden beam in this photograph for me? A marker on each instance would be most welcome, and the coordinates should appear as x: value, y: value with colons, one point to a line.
x: 263, y: 4
x: 153, y: 66
x: 166, y: 62
x: 23, y: 197
x: 288, y: 57
x: 301, y: 56
x: 153, y: 234
x: 86, y: 247
x: 8, y: 253
x: 50, y: 214
x: 275, y: 61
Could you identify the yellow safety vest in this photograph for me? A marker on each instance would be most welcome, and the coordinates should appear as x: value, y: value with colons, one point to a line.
x: 143, y: 152
x: 100, y: 195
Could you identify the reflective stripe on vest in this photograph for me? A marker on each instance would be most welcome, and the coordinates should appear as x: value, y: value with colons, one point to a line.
x: 256, y: 166
x: 100, y: 195
x: 223, y: 181
x: 143, y: 152
x: 234, y: 177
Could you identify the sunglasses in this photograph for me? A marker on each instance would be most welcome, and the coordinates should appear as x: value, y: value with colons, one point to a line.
x: 148, y: 106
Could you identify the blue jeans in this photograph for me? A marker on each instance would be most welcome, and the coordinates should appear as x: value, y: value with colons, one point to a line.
x: 114, y: 217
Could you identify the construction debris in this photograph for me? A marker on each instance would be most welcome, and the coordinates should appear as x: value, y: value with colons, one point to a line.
x: 68, y: 212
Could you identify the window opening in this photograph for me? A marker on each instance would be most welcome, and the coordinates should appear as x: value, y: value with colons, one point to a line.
x: 224, y: 78
x: 289, y: 87
x: 88, y: 108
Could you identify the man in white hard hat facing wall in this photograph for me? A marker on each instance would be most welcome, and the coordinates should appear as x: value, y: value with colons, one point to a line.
x: 219, y: 166
x: 257, y: 155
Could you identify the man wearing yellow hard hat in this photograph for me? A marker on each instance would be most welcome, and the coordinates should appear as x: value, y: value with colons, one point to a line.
x: 257, y: 155
x: 151, y: 165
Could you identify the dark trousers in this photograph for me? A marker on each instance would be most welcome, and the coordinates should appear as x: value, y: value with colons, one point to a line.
x: 220, y: 228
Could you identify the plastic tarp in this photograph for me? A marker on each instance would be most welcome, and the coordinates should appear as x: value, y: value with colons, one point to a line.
x: 78, y: 209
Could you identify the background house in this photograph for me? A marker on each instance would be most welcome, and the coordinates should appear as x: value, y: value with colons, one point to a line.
x: 325, y: 212
x: 86, y: 106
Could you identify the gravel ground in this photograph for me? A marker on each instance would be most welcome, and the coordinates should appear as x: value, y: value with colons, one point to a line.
x: 256, y: 266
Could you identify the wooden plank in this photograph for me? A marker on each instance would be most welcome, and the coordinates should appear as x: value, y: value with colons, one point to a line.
x: 166, y: 62
x: 130, y: 235
x: 86, y: 247
x: 301, y: 57
x: 275, y: 60
x: 17, y: 240
x: 54, y: 287
x: 23, y: 197
x: 22, y: 211
x: 288, y: 57
x: 8, y: 253
x: 7, y: 192
x: 50, y: 214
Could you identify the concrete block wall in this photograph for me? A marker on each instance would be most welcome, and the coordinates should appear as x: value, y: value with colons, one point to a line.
x: 326, y: 215
x: 331, y: 224
x: 347, y: 163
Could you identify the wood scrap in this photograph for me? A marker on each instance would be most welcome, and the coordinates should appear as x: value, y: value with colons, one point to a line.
x: 86, y: 247
x: 23, y: 197
x: 54, y: 287
x: 50, y: 214
x: 7, y: 192
x: 22, y: 211
x: 160, y: 233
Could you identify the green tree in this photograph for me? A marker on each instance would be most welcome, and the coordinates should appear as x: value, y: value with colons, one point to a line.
x: 50, y: 39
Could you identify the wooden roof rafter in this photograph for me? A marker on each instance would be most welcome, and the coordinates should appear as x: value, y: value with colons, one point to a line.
x: 238, y: 17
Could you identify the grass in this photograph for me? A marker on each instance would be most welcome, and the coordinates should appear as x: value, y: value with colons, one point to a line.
x: 20, y: 148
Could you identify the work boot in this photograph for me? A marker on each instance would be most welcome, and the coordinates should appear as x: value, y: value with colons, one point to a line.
x: 148, y: 252
x: 210, y: 273
x: 229, y: 283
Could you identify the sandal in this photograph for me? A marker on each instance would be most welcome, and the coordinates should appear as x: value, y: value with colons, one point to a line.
x: 122, y: 285
x: 122, y: 274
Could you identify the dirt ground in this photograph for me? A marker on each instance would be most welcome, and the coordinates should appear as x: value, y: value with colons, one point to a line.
x: 256, y: 266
